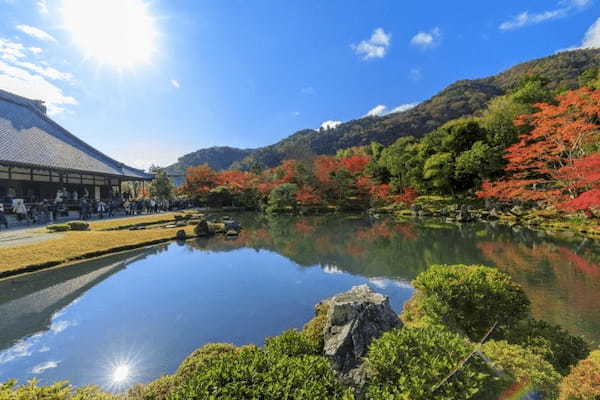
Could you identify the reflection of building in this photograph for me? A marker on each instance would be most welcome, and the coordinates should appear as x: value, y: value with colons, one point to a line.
x: 28, y: 303
x: 38, y: 157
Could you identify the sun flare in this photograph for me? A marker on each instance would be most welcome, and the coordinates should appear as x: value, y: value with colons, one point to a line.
x: 120, y: 374
x: 119, y: 33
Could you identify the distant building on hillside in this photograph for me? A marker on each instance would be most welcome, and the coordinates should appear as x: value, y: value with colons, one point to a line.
x: 39, y: 158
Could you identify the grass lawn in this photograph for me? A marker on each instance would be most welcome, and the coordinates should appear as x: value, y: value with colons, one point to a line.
x: 78, y: 245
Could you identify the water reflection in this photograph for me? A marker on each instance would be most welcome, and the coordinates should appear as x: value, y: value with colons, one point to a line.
x: 134, y: 317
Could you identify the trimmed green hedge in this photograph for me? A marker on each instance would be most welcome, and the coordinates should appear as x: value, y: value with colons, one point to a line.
x: 58, y: 228
x: 78, y: 225
x: 470, y: 298
x: 412, y: 363
x: 255, y: 374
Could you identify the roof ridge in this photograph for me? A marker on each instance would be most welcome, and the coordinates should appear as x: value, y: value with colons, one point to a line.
x: 34, y: 105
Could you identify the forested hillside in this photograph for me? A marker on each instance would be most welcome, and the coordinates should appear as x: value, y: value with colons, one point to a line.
x: 463, y: 98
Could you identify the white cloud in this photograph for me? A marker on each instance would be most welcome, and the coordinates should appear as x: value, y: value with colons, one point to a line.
x: 40, y: 368
x: 59, y: 326
x: 36, y: 33
x: 376, y: 111
x: 375, y: 47
x: 525, y: 19
x: 35, y: 50
x: 296, y: 113
x: 576, y: 3
x: 381, y: 110
x: 415, y: 74
x: 175, y: 83
x: 427, y: 39
x: 403, y: 107
x: 18, y: 350
x: 46, y: 71
x: 42, y: 6
x: 592, y: 36
x: 591, y: 39
x: 24, y: 83
x: 11, y: 51
x: 330, y: 124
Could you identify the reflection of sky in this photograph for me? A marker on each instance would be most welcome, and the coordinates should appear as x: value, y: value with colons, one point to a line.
x: 144, y: 320
x: 36, y: 345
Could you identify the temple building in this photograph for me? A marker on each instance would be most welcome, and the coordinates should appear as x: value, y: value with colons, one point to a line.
x: 40, y: 159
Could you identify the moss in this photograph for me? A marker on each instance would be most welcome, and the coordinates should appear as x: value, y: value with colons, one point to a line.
x: 314, y: 329
x: 78, y: 225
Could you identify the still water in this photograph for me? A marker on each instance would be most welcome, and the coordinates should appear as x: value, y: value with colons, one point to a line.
x: 133, y: 317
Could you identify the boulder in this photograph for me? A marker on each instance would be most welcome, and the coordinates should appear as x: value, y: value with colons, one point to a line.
x: 354, y: 319
x: 180, y: 235
x: 202, y: 229
x: 231, y: 225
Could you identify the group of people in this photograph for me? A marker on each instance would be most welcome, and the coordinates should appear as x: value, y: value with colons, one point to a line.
x: 48, y: 211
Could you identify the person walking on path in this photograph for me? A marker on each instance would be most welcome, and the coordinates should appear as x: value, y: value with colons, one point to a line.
x: 3, y: 220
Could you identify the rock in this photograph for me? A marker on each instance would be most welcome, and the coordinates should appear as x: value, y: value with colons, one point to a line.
x: 232, y: 232
x: 201, y: 229
x: 354, y: 319
x: 232, y: 226
x: 415, y: 208
x: 180, y: 235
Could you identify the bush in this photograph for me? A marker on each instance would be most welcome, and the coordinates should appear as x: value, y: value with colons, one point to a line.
x: 58, y: 228
x: 557, y: 346
x: 470, y: 299
x: 57, y: 391
x: 255, y: 374
x: 291, y: 343
x: 200, y: 357
x: 159, y: 389
x: 523, y: 367
x: 583, y: 383
x: 409, y: 363
x: 78, y: 225
x: 314, y: 329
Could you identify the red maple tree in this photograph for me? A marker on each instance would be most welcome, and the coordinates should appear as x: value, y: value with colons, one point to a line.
x: 546, y: 163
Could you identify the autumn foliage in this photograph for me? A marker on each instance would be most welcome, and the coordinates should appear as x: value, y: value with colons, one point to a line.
x: 341, y: 181
x: 556, y: 162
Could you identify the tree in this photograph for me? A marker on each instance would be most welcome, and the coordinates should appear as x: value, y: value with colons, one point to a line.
x: 538, y: 165
x: 199, y: 181
x: 161, y: 187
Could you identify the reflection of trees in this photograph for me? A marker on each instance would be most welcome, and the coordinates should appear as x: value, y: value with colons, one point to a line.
x: 562, y: 282
x: 564, y: 286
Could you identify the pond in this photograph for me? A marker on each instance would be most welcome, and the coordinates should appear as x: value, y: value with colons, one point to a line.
x: 133, y: 317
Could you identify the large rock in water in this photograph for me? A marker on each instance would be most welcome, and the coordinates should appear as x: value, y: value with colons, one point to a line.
x: 354, y: 319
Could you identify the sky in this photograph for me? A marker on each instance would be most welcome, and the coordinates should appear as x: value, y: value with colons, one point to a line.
x: 146, y: 81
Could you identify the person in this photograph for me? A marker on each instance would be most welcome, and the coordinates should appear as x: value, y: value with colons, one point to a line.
x: 101, y: 208
x: 20, y: 210
x: 3, y: 220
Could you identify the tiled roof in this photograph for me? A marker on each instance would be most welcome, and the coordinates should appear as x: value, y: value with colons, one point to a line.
x: 29, y: 137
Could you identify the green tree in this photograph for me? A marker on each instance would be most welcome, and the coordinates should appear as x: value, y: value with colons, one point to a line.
x: 161, y: 187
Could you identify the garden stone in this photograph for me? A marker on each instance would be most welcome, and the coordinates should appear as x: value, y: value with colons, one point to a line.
x: 180, y: 235
x: 354, y: 319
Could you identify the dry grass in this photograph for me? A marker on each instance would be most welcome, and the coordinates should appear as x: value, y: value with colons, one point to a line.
x: 73, y: 246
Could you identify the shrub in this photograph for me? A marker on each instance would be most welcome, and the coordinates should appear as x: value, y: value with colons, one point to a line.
x: 291, y: 343
x: 410, y: 363
x: 583, y: 383
x: 470, y: 299
x: 158, y: 389
x: 58, y: 228
x: 78, y: 225
x: 255, y: 374
x: 200, y: 357
x: 552, y: 342
x: 57, y: 391
x: 523, y: 368
x: 314, y: 329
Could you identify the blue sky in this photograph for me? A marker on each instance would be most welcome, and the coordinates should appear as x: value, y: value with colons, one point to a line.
x: 148, y: 86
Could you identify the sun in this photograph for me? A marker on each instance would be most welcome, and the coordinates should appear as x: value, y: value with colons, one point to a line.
x: 120, y: 374
x: 119, y: 33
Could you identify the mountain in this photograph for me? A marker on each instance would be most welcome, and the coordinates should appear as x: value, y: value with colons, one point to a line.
x: 465, y: 97
x: 218, y: 158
